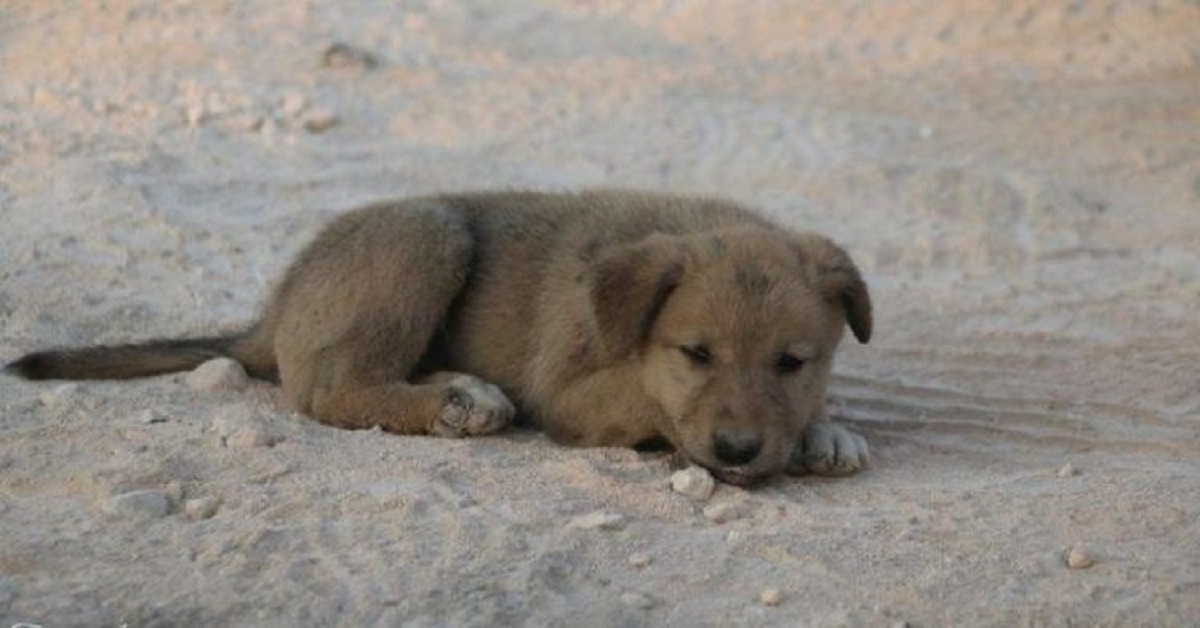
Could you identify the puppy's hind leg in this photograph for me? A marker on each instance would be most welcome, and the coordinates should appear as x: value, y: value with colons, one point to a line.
x: 357, y: 313
x: 448, y: 404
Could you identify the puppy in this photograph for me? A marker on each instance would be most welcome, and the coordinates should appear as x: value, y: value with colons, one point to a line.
x: 609, y: 318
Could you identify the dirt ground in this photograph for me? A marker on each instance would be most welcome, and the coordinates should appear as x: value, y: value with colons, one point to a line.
x: 1020, y: 182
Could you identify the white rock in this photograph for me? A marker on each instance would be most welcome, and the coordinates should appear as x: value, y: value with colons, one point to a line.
x: 724, y: 512
x: 249, y: 437
x: 246, y: 122
x: 146, y: 504
x: 319, y: 120
x: 293, y: 104
x: 201, y: 508
x: 694, y: 482
x: 243, y: 431
x: 599, y: 520
x: 1079, y: 557
x: 218, y: 374
x: 639, y: 559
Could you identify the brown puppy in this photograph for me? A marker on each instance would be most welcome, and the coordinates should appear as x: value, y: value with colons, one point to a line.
x: 609, y: 317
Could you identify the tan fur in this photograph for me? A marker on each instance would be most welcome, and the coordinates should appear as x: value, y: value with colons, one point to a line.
x: 587, y: 310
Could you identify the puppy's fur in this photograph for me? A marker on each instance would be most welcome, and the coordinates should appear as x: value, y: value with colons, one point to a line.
x: 608, y: 317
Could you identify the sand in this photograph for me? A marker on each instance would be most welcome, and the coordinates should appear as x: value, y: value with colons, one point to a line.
x: 1020, y: 182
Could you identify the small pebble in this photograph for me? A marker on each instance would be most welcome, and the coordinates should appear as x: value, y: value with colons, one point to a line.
x: 218, y: 374
x: 319, y: 120
x: 248, y: 122
x: 771, y: 597
x: 147, y: 504
x: 250, y: 437
x: 639, y: 559
x: 599, y: 520
x: 201, y: 508
x: 194, y: 114
x: 1079, y: 557
x: 725, y: 512
x: 341, y: 56
x: 694, y: 482
x: 637, y: 600
x: 269, y: 127
x: 1067, y: 471
x: 243, y: 431
x: 150, y: 417
x: 174, y: 491
x: 293, y: 104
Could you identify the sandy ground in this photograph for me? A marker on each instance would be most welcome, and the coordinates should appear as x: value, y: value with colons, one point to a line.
x: 1020, y: 182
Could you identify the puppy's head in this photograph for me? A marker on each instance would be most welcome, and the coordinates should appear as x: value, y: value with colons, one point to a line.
x: 735, y: 333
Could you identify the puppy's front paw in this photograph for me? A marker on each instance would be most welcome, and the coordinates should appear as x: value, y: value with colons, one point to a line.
x: 827, y: 448
x: 473, y: 407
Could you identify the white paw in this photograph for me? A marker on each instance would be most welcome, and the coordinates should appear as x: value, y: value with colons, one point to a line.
x: 829, y: 449
x: 473, y: 407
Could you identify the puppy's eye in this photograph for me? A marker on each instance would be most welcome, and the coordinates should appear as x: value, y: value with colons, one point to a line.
x: 698, y: 354
x: 788, y: 363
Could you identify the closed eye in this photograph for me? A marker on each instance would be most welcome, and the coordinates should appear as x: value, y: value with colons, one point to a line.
x: 787, y: 364
x: 699, y: 355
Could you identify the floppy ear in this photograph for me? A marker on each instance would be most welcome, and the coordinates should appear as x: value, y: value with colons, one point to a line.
x: 629, y: 287
x: 839, y: 281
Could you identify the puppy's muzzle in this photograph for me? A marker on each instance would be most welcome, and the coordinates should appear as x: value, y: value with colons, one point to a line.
x: 736, y: 447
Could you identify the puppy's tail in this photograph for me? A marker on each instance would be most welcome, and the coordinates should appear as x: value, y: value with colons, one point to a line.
x: 145, y: 359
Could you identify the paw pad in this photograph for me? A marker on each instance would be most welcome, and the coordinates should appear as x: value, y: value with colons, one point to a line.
x: 473, y: 407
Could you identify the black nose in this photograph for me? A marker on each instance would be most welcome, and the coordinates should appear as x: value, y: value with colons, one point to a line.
x: 736, y: 446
